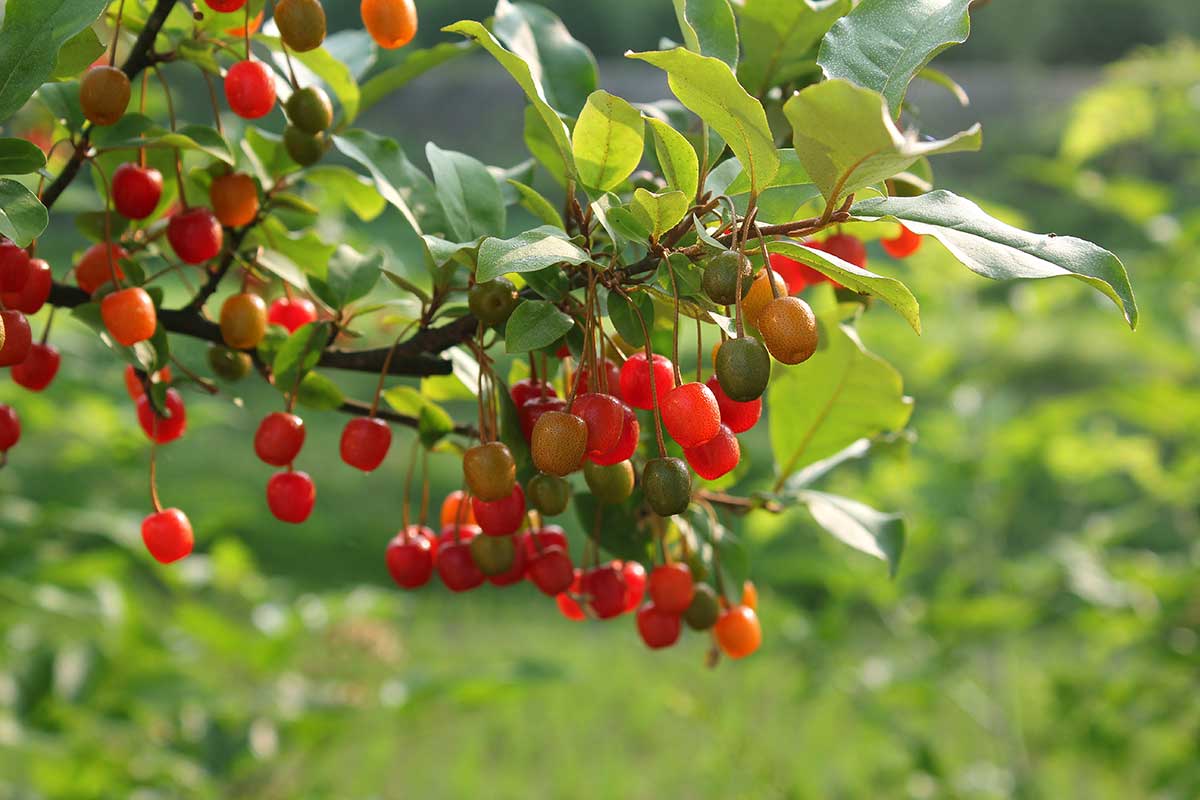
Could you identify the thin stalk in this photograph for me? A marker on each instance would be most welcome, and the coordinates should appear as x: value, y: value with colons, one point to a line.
x: 112, y: 58
x: 675, y: 323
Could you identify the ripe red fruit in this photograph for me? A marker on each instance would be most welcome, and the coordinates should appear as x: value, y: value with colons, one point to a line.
x: 903, y: 245
x: 133, y: 381
x: 605, y: 418
x: 14, y: 267
x: 456, y: 567
x: 168, y: 535
x: 158, y: 429
x: 515, y: 573
x: 279, y: 438
x: 635, y: 585
x: 456, y: 533
x: 250, y: 89
x: 567, y: 604
x: 526, y: 389
x: 291, y: 496
x: 658, y: 628
x: 533, y: 409
x: 635, y: 380
x: 551, y: 571
x: 671, y: 587
x: 740, y: 417
x: 847, y: 248
x: 10, y: 428
x: 612, y: 374
x: 409, y: 558
x: 716, y: 457
x: 38, y: 369
x: 543, y: 539
x: 129, y: 315
x: 626, y: 446
x: 796, y: 275
x: 365, y: 443
x: 292, y: 313
x: 18, y: 339
x: 35, y: 293
x: 225, y: 6
x: 136, y: 190
x: 605, y: 586
x: 500, y: 517
x: 195, y: 235
x: 691, y: 414
x: 94, y: 269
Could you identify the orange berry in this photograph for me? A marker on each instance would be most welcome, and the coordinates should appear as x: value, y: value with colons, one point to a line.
x: 760, y: 294
x: 129, y: 315
x: 234, y: 199
x: 750, y: 595
x: 243, y: 321
x: 456, y: 503
x: 94, y: 269
x: 391, y: 23
x: 738, y: 632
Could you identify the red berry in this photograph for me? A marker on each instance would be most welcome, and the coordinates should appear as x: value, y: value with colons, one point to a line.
x: 133, y: 381
x: 129, y: 315
x: 250, y: 89
x: 527, y: 388
x: 635, y: 380
x: 552, y: 571
x: 533, y: 409
x: 456, y: 567
x: 38, y: 369
x: 136, y: 190
x: 605, y: 418
x: 796, y: 275
x: 627, y: 445
x: 167, y: 535
x: 10, y: 428
x: 543, y: 539
x: 96, y: 267
x: 635, y: 585
x: 567, y: 604
x: 455, y: 533
x: 515, y: 573
x: 658, y: 628
x: 691, y: 414
x: 225, y: 6
x: 36, y: 291
x: 847, y: 248
x: 292, y: 313
x: 612, y: 374
x: 501, y: 517
x: 409, y: 557
x: 158, y: 429
x: 904, y: 245
x: 605, y: 587
x: 671, y: 588
x: 18, y: 339
x: 195, y: 235
x: 365, y: 443
x: 291, y: 496
x: 740, y: 417
x: 279, y: 438
x: 14, y: 267
x: 716, y: 457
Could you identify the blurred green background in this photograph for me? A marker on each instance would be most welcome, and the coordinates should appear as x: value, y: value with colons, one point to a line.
x: 1041, y: 640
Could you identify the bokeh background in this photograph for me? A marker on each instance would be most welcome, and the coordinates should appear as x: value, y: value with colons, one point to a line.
x: 1042, y: 637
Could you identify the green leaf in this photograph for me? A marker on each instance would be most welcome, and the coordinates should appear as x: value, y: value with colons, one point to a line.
x: 890, y: 290
x: 791, y: 173
x: 62, y: 101
x: 136, y: 130
x: 1108, y: 115
x: 305, y: 250
x: 281, y: 266
x: 33, y: 33
x: 859, y: 526
x: 319, y: 393
x: 991, y: 248
x: 779, y: 36
x: 659, y: 212
x: 358, y: 193
x: 846, y: 140
x: 551, y: 283
x: 351, y: 276
x: 560, y: 64
x: 20, y: 157
x: 939, y: 78
x: 542, y: 146
x: 442, y: 252
x: 523, y: 75
x: 469, y: 194
x: 299, y: 354
x: 416, y: 64
x: 676, y: 158
x: 320, y: 64
x: 708, y: 28
x: 618, y: 531
x: 709, y: 88
x: 608, y: 141
x: 397, y: 179
x: 77, y: 54
x: 535, y: 203
x: 883, y: 44
x: 433, y: 425
x: 534, y: 325
x: 22, y: 215
x: 849, y: 393
x: 527, y: 252
x: 625, y: 320
x: 512, y: 436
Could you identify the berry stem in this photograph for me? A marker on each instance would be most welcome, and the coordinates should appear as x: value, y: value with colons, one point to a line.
x: 49, y: 324
x: 246, y: 29
x: 424, y: 515
x: 142, y: 111
x: 675, y: 322
x: 406, y: 506
x: 154, y: 477
x: 171, y: 115
x: 212, y: 97
x: 387, y: 366
x: 112, y: 58
x: 699, y: 351
x: 108, y: 244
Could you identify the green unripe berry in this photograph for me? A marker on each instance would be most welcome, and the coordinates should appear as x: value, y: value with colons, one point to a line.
x: 549, y: 494
x: 492, y: 302
x: 229, y: 365
x: 703, y: 612
x: 612, y: 484
x: 309, y: 110
x: 743, y: 368
x: 721, y: 274
x: 494, y: 555
x: 668, y: 486
x: 304, y: 148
